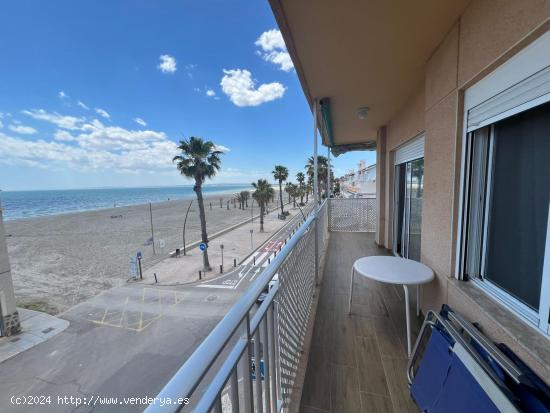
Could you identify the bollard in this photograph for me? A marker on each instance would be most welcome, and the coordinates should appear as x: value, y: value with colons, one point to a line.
x: 155, y: 274
x: 234, y: 262
x: 140, y: 271
x: 269, y: 260
x: 221, y: 269
x: 200, y: 275
x: 254, y: 260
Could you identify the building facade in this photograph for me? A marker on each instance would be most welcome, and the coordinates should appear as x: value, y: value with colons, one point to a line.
x: 458, y: 97
x: 9, y: 317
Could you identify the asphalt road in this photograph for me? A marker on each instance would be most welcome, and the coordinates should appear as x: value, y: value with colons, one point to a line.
x: 126, y: 342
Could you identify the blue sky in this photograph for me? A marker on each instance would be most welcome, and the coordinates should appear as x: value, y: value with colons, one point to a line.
x: 95, y: 93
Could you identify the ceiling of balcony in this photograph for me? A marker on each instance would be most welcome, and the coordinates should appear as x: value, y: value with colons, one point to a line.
x: 363, y: 53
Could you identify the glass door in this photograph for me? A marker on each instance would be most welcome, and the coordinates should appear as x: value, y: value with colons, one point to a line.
x: 409, y: 188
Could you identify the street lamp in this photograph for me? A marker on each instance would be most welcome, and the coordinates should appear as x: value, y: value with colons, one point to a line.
x: 221, y: 247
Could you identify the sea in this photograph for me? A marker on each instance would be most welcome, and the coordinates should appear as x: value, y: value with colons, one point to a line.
x: 28, y: 204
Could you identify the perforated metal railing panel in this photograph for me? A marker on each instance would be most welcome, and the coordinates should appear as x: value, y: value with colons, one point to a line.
x: 352, y: 214
x: 294, y: 302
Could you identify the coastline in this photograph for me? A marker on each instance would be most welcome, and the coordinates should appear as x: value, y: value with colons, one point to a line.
x: 186, y: 197
x: 61, y: 260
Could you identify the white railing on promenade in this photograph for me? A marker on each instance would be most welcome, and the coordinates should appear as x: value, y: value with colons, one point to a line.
x: 352, y: 214
x: 224, y: 373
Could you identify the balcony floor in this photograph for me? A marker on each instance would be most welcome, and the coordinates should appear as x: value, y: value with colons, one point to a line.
x: 358, y: 363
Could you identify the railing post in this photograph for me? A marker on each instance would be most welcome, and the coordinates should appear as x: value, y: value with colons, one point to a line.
x: 315, y: 190
x: 247, y: 371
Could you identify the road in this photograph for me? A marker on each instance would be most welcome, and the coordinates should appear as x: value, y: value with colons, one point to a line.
x: 253, y: 265
x: 127, y: 341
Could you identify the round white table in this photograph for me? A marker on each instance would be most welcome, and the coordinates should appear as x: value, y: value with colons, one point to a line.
x: 394, y: 270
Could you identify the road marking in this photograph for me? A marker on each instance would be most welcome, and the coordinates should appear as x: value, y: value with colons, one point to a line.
x: 216, y: 286
x: 138, y: 320
x: 259, y: 270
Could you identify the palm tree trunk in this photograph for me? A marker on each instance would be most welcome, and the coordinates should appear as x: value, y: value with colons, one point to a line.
x: 262, y: 217
x: 281, y: 195
x: 204, y: 236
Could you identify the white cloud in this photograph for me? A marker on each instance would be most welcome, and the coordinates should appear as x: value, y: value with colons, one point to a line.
x: 167, y: 64
x: 94, y: 146
x: 210, y: 93
x: 65, y: 122
x: 273, y: 49
x: 197, y: 89
x: 22, y: 129
x: 241, y: 89
x: 103, y: 112
x: 62, y: 95
x: 140, y: 121
x: 82, y: 105
x: 63, y: 135
x: 1, y: 124
x: 221, y: 148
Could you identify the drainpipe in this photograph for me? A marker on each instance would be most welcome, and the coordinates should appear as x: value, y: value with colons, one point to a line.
x: 315, y: 189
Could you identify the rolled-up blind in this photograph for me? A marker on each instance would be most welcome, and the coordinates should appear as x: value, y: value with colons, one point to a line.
x: 524, y: 95
x: 410, y: 151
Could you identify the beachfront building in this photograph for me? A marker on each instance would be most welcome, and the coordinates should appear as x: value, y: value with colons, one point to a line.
x: 360, y: 182
x: 454, y: 96
x: 9, y: 317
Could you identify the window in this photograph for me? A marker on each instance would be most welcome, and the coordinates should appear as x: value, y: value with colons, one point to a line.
x: 505, y: 239
x: 408, y: 187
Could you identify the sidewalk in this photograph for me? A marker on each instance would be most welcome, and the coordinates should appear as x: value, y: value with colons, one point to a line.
x: 237, y: 246
x: 36, y: 327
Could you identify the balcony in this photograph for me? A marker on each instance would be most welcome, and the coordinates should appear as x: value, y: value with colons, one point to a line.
x: 357, y: 363
x: 299, y: 350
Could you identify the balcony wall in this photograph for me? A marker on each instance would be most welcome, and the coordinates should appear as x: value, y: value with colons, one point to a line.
x: 357, y: 363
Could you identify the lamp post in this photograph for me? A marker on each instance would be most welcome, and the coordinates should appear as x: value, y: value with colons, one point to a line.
x: 185, y: 222
x: 221, y: 247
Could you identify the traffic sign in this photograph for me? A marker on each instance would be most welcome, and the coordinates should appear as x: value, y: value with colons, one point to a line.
x: 202, y: 246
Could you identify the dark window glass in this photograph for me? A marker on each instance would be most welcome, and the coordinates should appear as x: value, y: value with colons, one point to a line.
x: 519, y: 204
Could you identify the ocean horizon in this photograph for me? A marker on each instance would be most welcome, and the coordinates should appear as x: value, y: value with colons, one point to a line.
x: 37, y: 203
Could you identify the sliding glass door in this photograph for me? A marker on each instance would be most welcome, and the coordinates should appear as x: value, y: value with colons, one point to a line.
x: 409, y: 188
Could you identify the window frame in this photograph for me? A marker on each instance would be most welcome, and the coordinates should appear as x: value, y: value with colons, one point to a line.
x: 524, y: 64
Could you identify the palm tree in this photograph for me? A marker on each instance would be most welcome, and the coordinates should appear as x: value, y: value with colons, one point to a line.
x: 245, y: 196
x: 288, y: 189
x: 199, y: 160
x: 322, y: 166
x: 293, y: 192
x: 301, y: 178
x: 263, y: 192
x: 280, y: 173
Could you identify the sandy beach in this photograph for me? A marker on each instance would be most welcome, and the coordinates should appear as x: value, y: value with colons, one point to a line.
x: 61, y: 260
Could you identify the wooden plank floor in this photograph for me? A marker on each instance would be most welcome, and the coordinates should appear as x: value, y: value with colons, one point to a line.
x: 357, y: 363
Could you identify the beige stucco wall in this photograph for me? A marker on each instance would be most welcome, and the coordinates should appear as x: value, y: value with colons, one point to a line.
x: 488, y: 32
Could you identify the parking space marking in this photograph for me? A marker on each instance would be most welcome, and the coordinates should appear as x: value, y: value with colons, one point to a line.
x: 151, y: 305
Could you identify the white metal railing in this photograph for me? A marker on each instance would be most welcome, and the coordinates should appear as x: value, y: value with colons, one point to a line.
x: 250, y: 359
x: 352, y: 214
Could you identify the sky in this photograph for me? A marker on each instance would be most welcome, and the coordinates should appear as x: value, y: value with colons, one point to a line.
x: 97, y: 93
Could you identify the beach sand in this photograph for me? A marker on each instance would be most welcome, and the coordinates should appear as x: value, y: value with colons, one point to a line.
x: 59, y: 261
